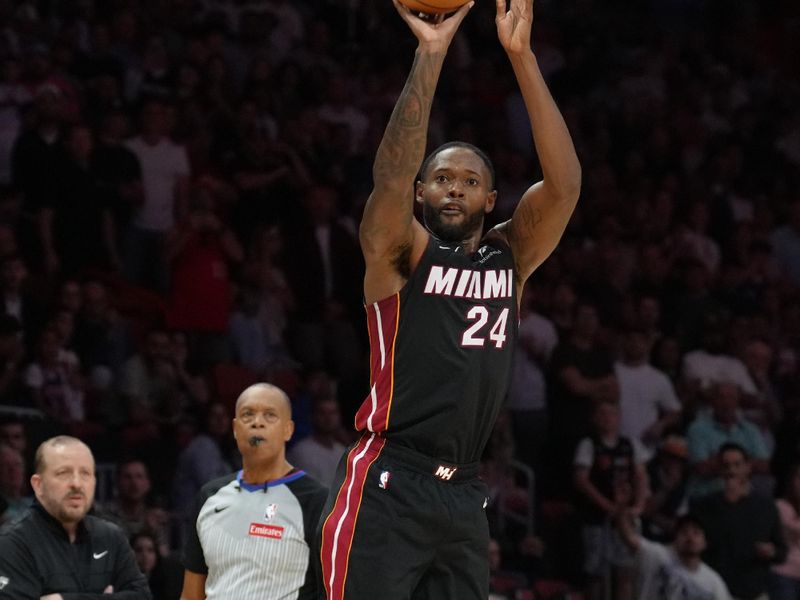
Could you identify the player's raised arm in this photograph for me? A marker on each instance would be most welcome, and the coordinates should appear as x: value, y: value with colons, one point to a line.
x: 544, y: 210
x: 391, y: 239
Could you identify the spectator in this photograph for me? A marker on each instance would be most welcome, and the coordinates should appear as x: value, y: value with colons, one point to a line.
x: 207, y: 457
x: 610, y: 478
x: 324, y: 267
x: 763, y: 408
x: 54, y: 382
x: 41, y: 145
x: 12, y: 353
x: 165, y: 180
x: 677, y: 571
x: 201, y: 251
x: 164, y: 574
x: 18, y: 301
x: 743, y: 528
x: 53, y: 551
x: 13, y: 99
x: 711, y: 364
x: 78, y: 192
x: 119, y: 177
x: 102, y: 337
x: 669, y: 476
x: 785, y: 578
x: 13, y: 434
x: 319, y: 454
x: 527, y: 393
x: 221, y: 546
x: 786, y: 245
x: 12, y: 484
x: 149, y: 383
x: 582, y: 376
x: 709, y: 432
x: 648, y: 403
x: 132, y: 509
x: 787, y: 436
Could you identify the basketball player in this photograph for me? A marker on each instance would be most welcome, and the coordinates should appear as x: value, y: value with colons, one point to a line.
x: 405, y: 516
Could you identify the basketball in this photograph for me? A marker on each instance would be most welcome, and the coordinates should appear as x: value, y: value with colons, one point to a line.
x: 434, y: 7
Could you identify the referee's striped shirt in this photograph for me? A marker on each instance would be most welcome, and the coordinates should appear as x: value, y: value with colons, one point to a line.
x: 255, y: 541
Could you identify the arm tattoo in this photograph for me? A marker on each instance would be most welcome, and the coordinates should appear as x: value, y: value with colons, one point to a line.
x: 403, y: 146
x: 526, y: 220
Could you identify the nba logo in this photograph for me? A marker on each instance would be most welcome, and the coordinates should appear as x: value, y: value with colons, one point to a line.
x: 384, y: 482
x: 271, y: 510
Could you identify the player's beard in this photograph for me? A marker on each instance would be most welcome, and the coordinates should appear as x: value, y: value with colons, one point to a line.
x: 456, y: 232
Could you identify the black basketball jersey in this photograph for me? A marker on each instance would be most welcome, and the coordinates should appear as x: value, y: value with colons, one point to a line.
x: 441, y: 352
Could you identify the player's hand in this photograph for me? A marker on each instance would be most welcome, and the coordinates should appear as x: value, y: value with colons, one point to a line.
x: 109, y: 590
x: 433, y: 36
x: 52, y: 597
x: 514, y: 25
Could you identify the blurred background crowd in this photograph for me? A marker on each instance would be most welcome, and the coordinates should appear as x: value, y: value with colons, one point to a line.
x: 180, y: 189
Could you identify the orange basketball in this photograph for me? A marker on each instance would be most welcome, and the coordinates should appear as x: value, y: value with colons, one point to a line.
x: 434, y: 6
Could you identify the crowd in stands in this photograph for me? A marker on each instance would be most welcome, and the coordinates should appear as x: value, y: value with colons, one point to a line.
x: 180, y: 190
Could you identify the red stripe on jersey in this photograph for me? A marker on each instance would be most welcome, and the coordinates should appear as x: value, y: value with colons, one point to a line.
x: 339, y: 527
x: 383, y: 319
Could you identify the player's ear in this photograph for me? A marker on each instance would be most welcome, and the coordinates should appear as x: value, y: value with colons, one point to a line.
x: 491, y: 198
x: 288, y: 431
x: 419, y: 188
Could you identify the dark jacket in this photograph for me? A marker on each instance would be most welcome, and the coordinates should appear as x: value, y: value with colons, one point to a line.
x: 37, y: 558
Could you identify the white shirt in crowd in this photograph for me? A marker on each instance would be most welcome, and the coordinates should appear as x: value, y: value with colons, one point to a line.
x: 163, y: 165
x: 661, y: 576
x: 644, y: 394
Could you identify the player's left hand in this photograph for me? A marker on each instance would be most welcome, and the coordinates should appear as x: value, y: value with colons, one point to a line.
x: 514, y: 24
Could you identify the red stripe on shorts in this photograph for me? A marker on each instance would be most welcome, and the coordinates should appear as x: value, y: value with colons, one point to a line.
x: 340, y: 525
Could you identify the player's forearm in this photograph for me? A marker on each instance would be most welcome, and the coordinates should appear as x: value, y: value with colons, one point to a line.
x: 403, y: 145
x: 554, y: 147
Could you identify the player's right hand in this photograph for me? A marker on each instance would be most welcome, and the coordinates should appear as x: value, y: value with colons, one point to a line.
x: 433, y: 36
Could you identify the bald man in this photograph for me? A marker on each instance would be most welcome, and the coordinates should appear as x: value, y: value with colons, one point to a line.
x: 252, y: 532
x: 56, y: 551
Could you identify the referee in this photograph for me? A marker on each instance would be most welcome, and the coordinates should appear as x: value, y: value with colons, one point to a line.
x: 252, y: 532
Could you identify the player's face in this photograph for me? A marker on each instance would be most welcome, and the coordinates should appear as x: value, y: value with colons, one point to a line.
x: 455, y: 194
x: 690, y: 541
x: 263, y: 425
x: 65, y: 488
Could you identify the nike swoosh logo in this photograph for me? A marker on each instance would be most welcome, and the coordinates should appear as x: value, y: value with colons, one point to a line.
x: 98, y: 555
x: 220, y: 509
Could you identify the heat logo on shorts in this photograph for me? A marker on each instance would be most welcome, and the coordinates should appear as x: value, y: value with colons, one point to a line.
x: 268, y: 531
x: 384, y: 481
x: 445, y: 473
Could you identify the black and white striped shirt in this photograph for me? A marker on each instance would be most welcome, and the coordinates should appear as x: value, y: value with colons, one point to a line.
x: 255, y: 541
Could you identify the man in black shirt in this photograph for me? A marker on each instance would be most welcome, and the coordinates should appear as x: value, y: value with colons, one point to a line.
x: 743, y: 528
x: 58, y: 552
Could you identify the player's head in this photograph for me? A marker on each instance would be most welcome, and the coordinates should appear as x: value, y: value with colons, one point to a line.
x: 263, y: 423
x: 456, y: 190
x: 64, y: 478
x: 690, y: 537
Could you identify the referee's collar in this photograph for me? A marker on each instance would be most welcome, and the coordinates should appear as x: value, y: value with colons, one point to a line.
x: 292, y: 475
